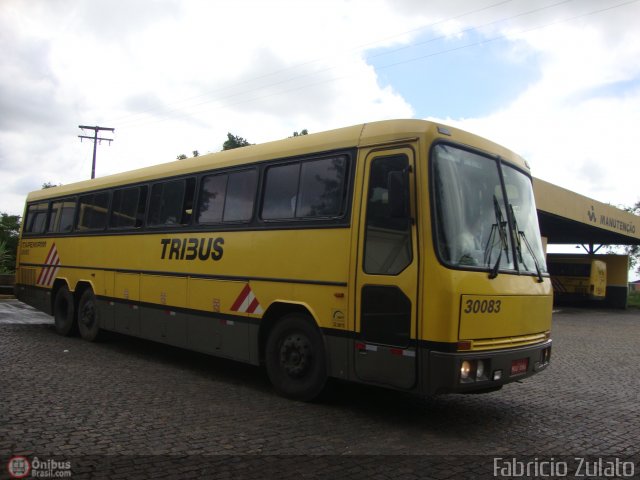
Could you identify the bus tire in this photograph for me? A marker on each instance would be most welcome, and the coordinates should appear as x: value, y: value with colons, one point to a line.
x: 295, y: 358
x: 64, y: 312
x: 88, y: 317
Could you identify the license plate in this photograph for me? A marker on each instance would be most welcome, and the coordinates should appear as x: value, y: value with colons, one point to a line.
x: 518, y: 367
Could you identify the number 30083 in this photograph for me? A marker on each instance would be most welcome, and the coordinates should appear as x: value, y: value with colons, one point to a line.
x: 482, y: 306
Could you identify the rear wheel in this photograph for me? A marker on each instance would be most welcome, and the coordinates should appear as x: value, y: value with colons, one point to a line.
x: 64, y: 312
x: 88, y: 318
x: 295, y: 358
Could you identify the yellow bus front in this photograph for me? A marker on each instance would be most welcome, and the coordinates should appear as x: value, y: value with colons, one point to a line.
x: 486, y: 294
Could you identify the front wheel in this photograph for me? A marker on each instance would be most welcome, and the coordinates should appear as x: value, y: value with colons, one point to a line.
x: 295, y: 358
x: 64, y: 312
x: 88, y: 318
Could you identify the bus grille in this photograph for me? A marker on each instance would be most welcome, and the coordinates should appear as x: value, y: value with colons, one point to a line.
x: 508, y: 342
x: 27, y: 276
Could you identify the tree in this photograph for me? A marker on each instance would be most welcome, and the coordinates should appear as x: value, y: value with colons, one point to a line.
x: 50, y: 185
x: 234, y: 141
x: 4, y: 258
x: 302, y: 132
x: 196, y: 153
x: 182, y: 156
x: 9, y: 232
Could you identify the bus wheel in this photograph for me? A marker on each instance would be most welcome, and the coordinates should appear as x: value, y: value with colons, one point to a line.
x: 64, y: 312
x: 295, y: 358
x: 88, y: 319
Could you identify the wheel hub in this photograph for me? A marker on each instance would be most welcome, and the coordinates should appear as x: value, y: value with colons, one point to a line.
x: 295, y: 355
x: 88, y: 314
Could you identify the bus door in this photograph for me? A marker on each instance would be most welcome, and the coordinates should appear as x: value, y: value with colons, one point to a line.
x: 387, y: 271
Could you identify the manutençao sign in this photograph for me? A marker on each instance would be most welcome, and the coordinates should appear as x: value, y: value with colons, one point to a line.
x: 610, y: 222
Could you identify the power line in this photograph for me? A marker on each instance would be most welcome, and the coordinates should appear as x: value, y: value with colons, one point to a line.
x: 358, y: 48
x: 95, y: 139
x: 258, y: 97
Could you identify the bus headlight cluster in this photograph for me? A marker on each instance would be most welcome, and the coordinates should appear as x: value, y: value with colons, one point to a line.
x: 474, y: 370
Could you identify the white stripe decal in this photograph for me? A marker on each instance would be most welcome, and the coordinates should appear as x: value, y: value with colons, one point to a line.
x: 247, y: 302
x: 51, y: 268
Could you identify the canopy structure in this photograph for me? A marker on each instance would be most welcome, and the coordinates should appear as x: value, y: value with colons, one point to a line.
x: 569, y: 218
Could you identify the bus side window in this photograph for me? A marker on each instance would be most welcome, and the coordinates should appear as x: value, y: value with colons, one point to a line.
x: 322, y: 188
x: 305, y: 190
x: 240, y: 197
x: 128, y: 207
x: 36, y: 220
x: 281, y: 192
x: 171, y: 203
x: 62, y: 214
x: 142, y: 206
x: 227, y: 197
x: 211, y: 199
x: 387, y: 248
x: 92, y: 211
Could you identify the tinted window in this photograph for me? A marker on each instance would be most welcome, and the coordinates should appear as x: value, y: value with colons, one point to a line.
x: 212, y: 194
x: 36, y: 218
x: 128, y: 207
x: 171, y: 203
x: 241, y: 192
x: 281, y: 191
x: 387, y: 249
x: 62, y: 214
x: 92, y: 211
x: 321, y: 188
x: 305, y: 190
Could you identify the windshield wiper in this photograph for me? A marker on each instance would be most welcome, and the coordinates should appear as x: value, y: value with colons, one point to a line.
x: 521, y: 235
x: 500, y: 227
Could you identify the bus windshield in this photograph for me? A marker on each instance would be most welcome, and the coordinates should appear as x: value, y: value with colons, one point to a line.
x: 528, y: 243
x: 476, y: 227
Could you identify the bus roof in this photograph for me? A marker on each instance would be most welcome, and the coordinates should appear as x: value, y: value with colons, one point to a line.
x: 362, y: 135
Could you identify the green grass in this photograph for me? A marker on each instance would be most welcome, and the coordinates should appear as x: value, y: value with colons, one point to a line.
x: 634, y: 299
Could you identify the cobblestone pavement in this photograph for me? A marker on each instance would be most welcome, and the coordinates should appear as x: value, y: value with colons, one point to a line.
x: 128, y: 408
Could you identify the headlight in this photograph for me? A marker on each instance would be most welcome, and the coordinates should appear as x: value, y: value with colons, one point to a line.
x: 465, y: 370
x: 474, y: 370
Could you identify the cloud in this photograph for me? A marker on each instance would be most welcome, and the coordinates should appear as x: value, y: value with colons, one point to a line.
x: 174, y: 76
x: 577, y: 122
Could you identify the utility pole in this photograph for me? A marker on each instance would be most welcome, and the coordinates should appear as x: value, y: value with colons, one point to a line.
x: 95, y: 139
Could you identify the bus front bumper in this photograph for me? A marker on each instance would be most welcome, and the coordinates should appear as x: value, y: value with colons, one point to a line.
x: 479, y: 371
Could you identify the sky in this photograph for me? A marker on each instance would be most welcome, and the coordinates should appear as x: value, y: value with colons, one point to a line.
x: 557, y: 81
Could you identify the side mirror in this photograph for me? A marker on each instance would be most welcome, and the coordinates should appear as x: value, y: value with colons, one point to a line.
x: 398, y: 183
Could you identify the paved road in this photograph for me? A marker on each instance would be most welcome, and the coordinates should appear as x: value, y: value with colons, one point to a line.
x: 128, y: 408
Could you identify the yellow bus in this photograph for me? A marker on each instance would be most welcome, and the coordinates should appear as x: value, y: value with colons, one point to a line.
x: 578, y: 277
x: 400, y: 253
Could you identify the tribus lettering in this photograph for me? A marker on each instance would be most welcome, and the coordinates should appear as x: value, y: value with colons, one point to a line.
x: 192, y: 248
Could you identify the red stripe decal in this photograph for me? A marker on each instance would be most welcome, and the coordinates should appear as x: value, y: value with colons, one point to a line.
x: 50, y: 254
x: 241, y: 298
x: 47, y: 272
x: 52, y: 271
x: 252, y: 307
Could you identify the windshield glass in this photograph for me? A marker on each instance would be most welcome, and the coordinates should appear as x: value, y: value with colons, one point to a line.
x: 523, y: 208
x: 471, y: 217
x: 476, y: 226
